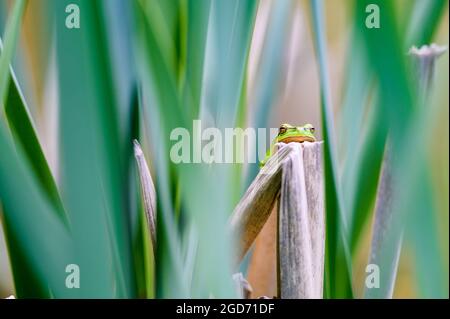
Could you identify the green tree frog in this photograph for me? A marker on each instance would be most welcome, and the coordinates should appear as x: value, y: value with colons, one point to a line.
x: 288, y: 134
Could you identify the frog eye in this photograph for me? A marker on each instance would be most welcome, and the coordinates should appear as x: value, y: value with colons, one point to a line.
x: 282, y: 129
x: 312, y: 129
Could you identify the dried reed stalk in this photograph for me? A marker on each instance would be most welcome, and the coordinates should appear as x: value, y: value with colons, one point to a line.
x: 147, y: 190
x: 296, y: 169
x: 301, y: 229
x: 387, y: 239
x: 254, y: 209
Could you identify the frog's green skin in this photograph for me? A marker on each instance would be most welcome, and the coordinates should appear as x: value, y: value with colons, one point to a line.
x: 288, y: 134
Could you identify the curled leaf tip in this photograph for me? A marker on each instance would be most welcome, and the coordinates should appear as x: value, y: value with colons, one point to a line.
x: 432, y: 50
x: 137, y: 148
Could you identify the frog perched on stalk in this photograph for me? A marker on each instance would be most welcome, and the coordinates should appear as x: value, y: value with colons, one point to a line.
x: 288, y: 134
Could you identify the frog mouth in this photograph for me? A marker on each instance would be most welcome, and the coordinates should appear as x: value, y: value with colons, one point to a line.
x: 297, y: 139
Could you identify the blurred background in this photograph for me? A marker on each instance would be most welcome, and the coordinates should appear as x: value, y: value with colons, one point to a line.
x: 136, y: 69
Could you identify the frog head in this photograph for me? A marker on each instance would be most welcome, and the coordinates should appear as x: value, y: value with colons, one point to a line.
x: 289, y: 133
